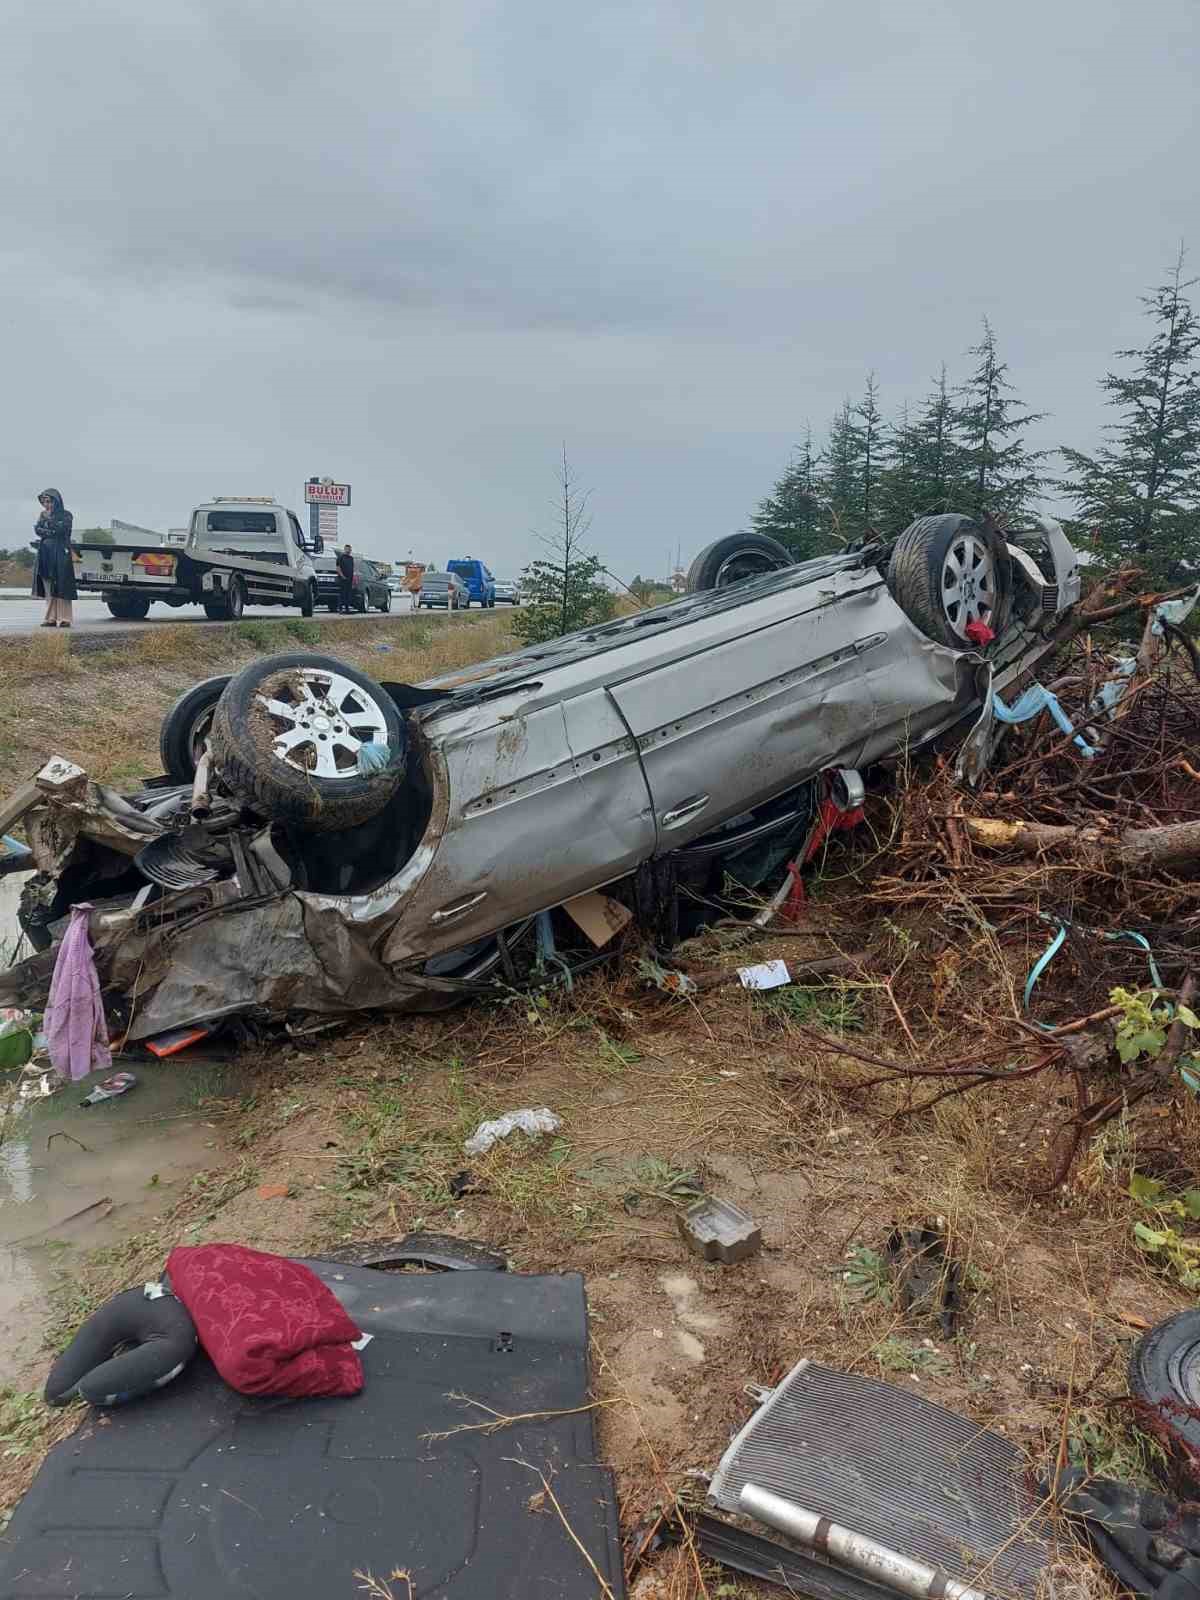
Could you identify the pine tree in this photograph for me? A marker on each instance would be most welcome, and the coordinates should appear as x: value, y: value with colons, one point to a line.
x: 567, y: 591
x: 938, y: 465
x: 842, y: 476
x: 793, y: 513
x: 871, y: 432
x: 898, y: 491
x: 1142, y: 489
x: 1002, y: 474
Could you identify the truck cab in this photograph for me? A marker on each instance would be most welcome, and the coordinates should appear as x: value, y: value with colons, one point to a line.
x: 480, y: 584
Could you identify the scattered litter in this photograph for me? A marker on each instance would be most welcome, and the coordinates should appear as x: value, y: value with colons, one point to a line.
x: 13, y: 854
x: 38, y: 1081
x: 928, y: 1278
x: 528, y: 1121
x: 16, y: 1040
x: 372, y: 758
x: 272, y: 1191
x: 719, y: 1231
x: 823, y: 1436
x: 599, y: 915
x: 766, y: 975
x: 170, y: 1044
x: 665, y: 978
x: 109, y: 1088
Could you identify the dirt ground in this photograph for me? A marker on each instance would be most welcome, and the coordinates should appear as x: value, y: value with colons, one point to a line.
x: 762, y: 1098
x: 365, y: 1130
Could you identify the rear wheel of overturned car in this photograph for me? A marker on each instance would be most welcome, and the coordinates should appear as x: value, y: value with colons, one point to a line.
x: 288, y: 737
x: 949, y: 573
x: 128, y: 607
x: 186, y: 726
x: 736, y: 557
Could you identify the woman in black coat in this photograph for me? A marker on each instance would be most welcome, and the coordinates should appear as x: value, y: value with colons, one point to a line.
x: 54, y: 574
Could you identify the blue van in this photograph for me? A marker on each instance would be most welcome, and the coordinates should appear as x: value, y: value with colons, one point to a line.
x: 481, y: 586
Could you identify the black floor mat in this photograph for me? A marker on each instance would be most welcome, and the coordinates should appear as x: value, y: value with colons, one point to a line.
x: 200, y: 1492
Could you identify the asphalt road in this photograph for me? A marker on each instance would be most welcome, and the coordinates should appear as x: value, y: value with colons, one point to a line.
x: 20, y: 614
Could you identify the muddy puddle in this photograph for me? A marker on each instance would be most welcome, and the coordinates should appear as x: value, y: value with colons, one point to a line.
x: 73, y: 1177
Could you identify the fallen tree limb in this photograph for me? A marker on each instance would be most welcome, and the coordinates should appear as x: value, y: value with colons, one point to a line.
x: 1175, y: 844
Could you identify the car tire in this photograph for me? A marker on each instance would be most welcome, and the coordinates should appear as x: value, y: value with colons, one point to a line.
x: 128, y: 607
x: 947, y: 572
x: 308, y: 603
x: 386, y: 603
x: 296, y: 790
x: 360, y: 604
x: 736, y: 557
x: 186, y: 726
x: 1164, y: 1374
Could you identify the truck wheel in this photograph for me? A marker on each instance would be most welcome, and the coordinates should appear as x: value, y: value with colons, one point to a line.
x: 128, y: 607
x: 186, y: 726
x: 287, y: 734
x: 948, y: 572
x: 736, y: 557
x: 229, y: 606
x: 308, y: 602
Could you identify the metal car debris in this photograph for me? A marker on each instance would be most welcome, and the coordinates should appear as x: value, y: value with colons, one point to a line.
x: 719, y: 1231
x: 271, y: 875
x: 895, y: 1467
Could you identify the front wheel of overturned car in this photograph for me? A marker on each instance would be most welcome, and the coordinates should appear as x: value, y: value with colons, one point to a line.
x: 288, y: 736
x: 736, y: 557
x: 952, y: 577
x: 186, y: 727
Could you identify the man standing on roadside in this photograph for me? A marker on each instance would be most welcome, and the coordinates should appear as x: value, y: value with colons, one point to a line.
x: 345, y: 566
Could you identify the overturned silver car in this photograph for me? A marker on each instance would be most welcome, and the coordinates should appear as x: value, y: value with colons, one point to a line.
x: 321, y: 843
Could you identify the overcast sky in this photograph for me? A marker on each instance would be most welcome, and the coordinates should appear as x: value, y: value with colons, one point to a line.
x: 417, y: 246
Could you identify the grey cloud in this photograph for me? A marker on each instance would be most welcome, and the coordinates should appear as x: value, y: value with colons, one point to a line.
x: 424, y: 244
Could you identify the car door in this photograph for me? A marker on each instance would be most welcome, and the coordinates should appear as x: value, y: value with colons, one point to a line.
x: 767, y: 696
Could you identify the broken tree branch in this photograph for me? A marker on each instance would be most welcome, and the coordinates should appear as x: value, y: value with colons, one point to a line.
x: 1171, y: 845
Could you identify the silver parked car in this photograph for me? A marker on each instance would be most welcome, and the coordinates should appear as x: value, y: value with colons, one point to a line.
x: 323, y: 843
x: 444, y: 589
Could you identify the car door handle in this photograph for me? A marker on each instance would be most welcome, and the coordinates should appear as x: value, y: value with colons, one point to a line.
x: 681, y: 813
x: 448, y: 913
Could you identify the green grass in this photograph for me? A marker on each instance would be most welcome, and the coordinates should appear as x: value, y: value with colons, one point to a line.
x: 836, y: 1010
x: 23, y: 1419
x: 894, y: 1355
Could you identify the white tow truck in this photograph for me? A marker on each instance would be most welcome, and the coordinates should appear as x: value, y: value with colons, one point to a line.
x: 238, y: 552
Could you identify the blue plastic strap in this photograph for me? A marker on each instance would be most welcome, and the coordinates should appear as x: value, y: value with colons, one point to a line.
x: 1044, y: 960
x: 1059, y: 939
x: 1155, y: 975
x: 1035, y: 700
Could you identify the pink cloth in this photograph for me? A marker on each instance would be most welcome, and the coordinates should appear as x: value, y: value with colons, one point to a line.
x: 76, y: 1031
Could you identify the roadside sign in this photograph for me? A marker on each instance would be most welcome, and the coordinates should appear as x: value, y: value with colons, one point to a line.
x: 324, y: 492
